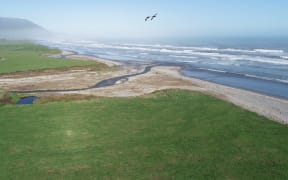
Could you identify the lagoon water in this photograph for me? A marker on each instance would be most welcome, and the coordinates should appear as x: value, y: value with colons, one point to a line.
x: 259, y: 65
x: 27, y: 100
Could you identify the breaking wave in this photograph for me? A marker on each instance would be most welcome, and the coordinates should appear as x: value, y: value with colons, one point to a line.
x: 273, y: 62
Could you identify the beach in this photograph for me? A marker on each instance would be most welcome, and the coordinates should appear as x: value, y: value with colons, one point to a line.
x: 78, y: 81
x: 254, y: 66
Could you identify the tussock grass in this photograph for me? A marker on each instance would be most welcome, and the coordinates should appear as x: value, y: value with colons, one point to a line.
x: 8, y: 98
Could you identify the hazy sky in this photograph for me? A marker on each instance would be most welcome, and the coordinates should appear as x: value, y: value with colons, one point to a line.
x: 177, y: 18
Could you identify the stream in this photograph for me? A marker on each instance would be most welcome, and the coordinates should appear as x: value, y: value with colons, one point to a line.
x: 101, y: 84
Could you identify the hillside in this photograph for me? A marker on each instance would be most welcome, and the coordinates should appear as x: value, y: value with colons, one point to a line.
x: 15, y: 28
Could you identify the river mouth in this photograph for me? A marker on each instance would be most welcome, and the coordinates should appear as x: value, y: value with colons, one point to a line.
x: 27, y: 100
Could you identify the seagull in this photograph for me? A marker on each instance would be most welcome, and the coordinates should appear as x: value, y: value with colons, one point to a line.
x: 148, y: 17
x: 154, y: 16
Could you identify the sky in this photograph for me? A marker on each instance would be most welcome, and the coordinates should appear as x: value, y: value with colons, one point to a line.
x: 176, y: 18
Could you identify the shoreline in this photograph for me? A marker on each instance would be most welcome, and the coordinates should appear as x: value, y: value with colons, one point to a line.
x: 76, y: 56
x: 159, y: 78
x: 111, y: 63
x: 271, y: 107
x: 260, y: 86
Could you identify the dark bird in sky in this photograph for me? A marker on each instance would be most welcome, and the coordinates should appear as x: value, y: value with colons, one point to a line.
x: 146, y: 19
x: 154, y: 16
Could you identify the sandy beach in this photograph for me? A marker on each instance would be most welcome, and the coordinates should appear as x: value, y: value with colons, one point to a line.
x: 159, y: 78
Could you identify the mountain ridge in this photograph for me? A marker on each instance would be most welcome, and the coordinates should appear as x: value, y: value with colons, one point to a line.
x: 19, y: 28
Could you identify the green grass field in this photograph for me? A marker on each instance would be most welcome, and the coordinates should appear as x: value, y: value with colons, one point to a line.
x: 174, y: 135
x: 18, y: 56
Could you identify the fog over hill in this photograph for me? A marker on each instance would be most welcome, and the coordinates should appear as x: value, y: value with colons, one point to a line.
x: 16, y: 28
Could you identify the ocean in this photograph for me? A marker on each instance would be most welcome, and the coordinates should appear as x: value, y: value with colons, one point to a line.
x: 255, y: 64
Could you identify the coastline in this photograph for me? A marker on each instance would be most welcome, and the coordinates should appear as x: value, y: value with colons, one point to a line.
x: 265, y: 105
x: 158, y: 78
x: 92, y: 58
x: 268, y: 106
x: 161, y: 78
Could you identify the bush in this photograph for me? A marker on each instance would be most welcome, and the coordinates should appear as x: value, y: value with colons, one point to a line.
x: 8, y: 98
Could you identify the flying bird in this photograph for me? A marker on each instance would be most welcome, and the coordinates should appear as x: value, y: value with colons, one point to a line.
x: 154, y: 16
x: 146, y: 19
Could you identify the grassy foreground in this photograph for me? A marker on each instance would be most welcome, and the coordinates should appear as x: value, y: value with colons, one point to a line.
x: 175, y: 135
x: 24, y: 56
